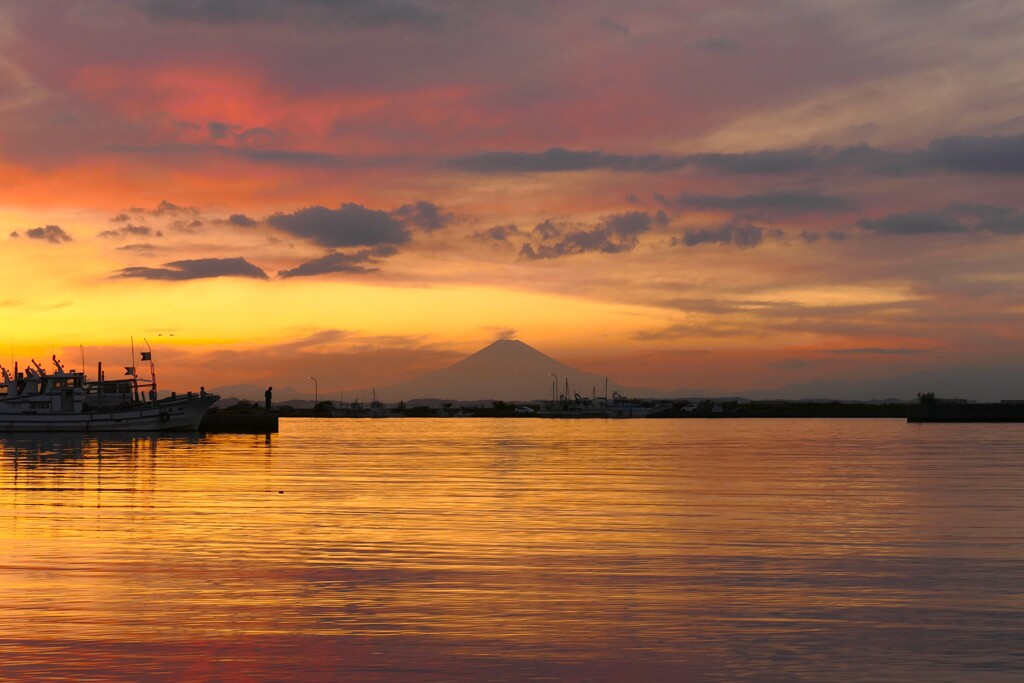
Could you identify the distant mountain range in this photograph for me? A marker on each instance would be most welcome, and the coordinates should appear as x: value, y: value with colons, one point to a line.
x: 510, y: 370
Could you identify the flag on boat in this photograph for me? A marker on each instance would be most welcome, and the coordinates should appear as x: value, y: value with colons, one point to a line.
x: 146, y: 355
x: 129, y: 370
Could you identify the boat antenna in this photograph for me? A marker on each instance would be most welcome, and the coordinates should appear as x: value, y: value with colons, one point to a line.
x: 82, y: 347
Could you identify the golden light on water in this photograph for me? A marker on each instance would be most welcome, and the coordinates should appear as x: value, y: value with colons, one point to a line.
x: 497, y: 546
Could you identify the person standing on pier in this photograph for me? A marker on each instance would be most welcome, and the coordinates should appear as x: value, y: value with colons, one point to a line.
x: 266, y: 395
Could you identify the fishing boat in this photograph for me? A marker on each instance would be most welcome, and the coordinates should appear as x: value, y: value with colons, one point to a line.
x: 37, y: 400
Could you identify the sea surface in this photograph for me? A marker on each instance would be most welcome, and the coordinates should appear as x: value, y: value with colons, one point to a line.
x: 517, y: 549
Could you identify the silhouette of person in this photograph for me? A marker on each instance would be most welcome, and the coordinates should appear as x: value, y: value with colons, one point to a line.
x: 266, y: 395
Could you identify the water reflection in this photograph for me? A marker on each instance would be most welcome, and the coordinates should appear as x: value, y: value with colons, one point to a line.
x: 507, y: 549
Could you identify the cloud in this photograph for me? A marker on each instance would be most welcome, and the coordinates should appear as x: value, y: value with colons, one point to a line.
x: 881, y: 351
x: 50, y: 233
x: 131, y: 231
x: 785, y: 201
x: 426, y: 216
x: 744, y: 236
x: 810, y: 237
x: 960, y: 154
x: 957, y: 217
x: 1004, y: 220
x: 498, y: 233
x: 352, y: 13
x: 338, y: 262
x: 167, y: 208
x: 618, y: 233
x: 241, y: 220
x: 912, y: 223
x: 196, y: 269
x: 141, y: 246
x: 558, y: 159
x: 501, y: 333
x: 999, y: 154
x: 351, y: 225
x: 547, y: 230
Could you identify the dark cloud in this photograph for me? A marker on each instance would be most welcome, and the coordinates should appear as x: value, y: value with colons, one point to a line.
x: 142, y: 247
x: 241, y: 220
x: 547, y: 230
x: 912, y: 223
x: 498, y: 233
x: 958, y: 217
x: 218, y: 130
x: 744, y: 236
x: 618, y: 233
x: 351, y: 225
x: 975, y: 154
x: 426, y: 216
x: 1004, y: 220
x: 131, y: 231
x: 811, y: 237
x: 962, y: 154
x: 165, y: 208
x: 196, y: 269
x: 558, y: 159
x: 785, y: 201
x: 50, y: 233
x: 341, y: 263
x: 353, y: 13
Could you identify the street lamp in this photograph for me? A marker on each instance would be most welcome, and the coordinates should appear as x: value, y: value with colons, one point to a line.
x: 316, y: 390
x: 554, y: 387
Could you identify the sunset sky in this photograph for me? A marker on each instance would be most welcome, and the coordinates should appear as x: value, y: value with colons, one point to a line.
x: 677, y: 193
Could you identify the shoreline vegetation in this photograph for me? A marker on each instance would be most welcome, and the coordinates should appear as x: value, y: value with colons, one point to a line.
x: 924, y: 409
x: 245, y: 416
x: 542, y: 409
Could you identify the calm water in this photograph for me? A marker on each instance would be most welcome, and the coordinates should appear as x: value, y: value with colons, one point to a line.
x: 405, y: 550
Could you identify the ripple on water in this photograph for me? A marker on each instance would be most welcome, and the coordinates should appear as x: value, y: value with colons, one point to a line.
x: 516, y: 549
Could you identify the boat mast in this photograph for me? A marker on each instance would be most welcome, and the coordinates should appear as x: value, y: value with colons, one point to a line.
x: 148, y: 355
x: 131, y: 372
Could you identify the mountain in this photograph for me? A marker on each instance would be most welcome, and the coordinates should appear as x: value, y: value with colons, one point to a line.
x: 507, y: 370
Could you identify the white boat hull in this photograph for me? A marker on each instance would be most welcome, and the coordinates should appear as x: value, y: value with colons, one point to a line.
x: 175, y: 414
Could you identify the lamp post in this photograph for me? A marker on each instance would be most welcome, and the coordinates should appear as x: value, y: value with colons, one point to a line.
x: 554, y: 388
x: 316, y: 391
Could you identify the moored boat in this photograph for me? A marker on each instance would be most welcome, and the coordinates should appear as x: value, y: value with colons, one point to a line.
x: 66, y: 401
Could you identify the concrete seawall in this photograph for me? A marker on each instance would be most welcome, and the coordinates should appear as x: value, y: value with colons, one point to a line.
x: 968, y: 412
x: 239, y: 423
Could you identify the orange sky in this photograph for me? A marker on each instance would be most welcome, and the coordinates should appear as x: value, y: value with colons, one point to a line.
x: 675, y: 195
